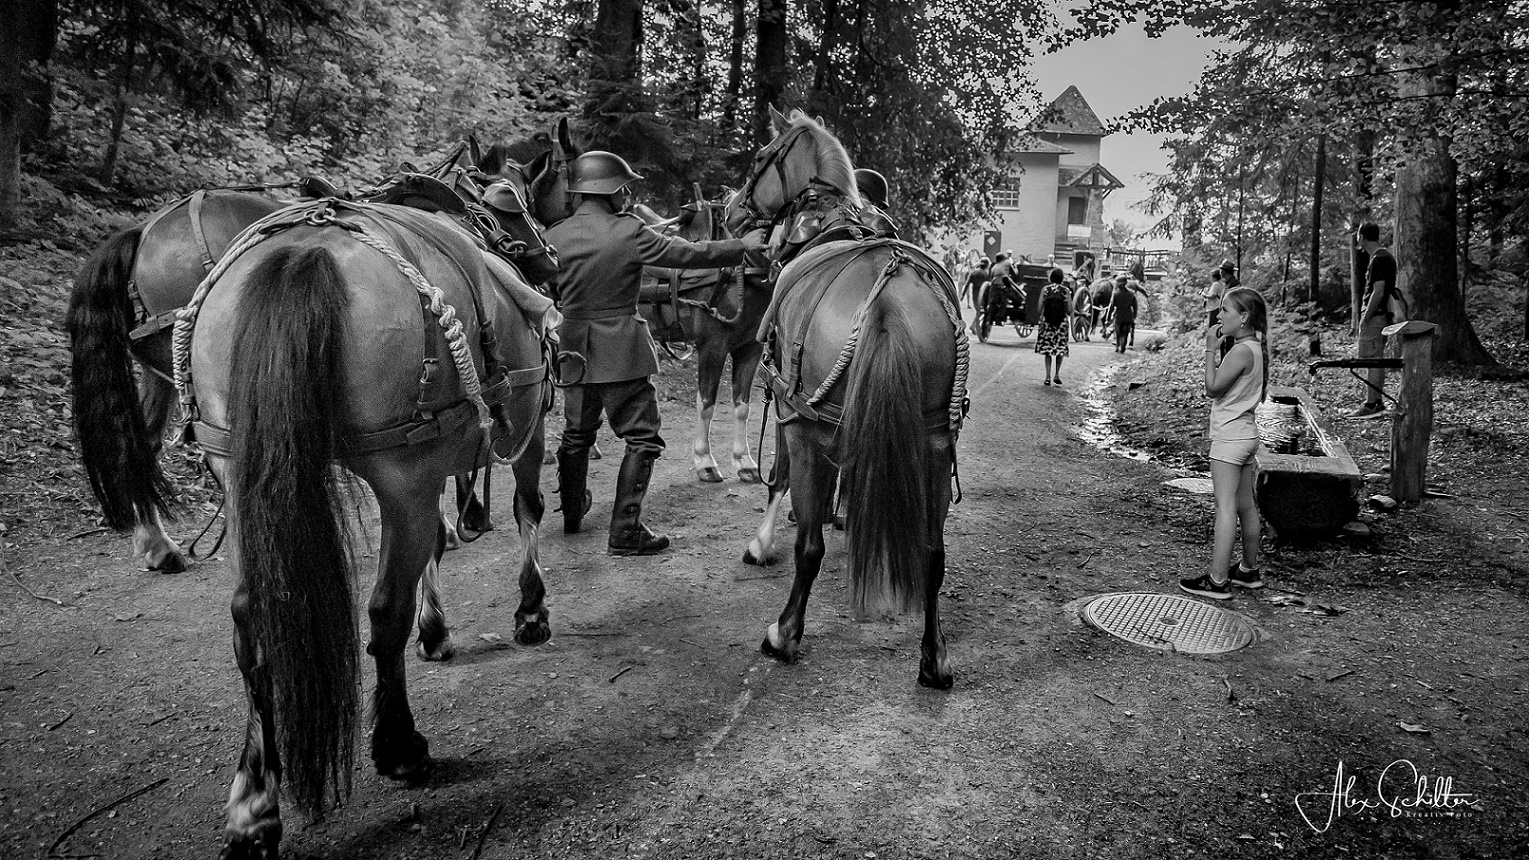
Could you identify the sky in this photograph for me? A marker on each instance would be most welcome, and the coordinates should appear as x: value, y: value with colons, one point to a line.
x: 1117, y: 74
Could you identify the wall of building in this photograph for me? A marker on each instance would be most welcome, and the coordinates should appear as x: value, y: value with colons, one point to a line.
x: 1085, y: 148
x: 1031, y: 229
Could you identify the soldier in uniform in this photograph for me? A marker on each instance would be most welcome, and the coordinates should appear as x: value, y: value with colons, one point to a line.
x: 602, y: 250
x: 873, y: 190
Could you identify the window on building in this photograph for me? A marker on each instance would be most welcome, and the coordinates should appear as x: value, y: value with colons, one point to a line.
x: 1006, y: 196
x: 1077, y: 210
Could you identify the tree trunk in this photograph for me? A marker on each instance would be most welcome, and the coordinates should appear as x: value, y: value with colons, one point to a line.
x: 1427, y: 236
x: 27, y: 37
x: 614, y: 68
x: 735, y: 68
x: 769, y: 64
x: 821, y: 75
x: 1318, y: 185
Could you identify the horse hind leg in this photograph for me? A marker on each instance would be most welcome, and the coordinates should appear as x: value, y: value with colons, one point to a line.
x: 745, y: 365
x: 408, y: 498
x: 252, y: 827
x: 761, y: 546
x: 708, y: 380
x: 532, y: 619
x: 813, y: 503
x: 434, y: 637
x: 152, y: 546
x: 934, y: 663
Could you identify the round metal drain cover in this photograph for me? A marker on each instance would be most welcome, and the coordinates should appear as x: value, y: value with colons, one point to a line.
x: 1169, y: 622
x: 1192, y: 485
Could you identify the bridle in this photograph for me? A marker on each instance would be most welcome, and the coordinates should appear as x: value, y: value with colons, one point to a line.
x: 772, y: 155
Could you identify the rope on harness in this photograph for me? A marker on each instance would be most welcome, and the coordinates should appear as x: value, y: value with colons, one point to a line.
x: 322, y: 214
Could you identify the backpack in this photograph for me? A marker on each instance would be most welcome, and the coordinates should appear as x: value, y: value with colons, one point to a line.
x: 1054, y: 307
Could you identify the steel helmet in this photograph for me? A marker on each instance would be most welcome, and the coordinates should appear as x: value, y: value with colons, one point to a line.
x: 599, y: 172
x: 872, y: 185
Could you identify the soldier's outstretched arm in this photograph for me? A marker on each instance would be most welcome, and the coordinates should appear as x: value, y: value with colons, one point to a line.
x: 655, y: 249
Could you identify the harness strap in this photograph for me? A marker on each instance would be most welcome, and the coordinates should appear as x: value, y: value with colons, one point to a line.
x: 197, y: 198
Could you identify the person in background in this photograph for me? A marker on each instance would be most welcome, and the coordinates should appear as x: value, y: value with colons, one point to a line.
x: 1375, y: 315
x: 1056, y: 320
x: 1236, y: 384
x: 1123, y: 309
x: 1212, y: 295
x: 602, y: 250
x: 971, y: 289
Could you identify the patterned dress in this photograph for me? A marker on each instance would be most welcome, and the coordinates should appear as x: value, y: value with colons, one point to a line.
x: 1052, y: 339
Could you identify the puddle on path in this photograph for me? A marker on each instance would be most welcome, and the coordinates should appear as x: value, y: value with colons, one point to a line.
x: 1098, y: 429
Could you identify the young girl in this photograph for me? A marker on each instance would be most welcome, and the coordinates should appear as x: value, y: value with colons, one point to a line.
x: 1236, y: 385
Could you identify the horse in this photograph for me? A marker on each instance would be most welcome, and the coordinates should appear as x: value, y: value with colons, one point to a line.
x: 350, y: 335
x: 719, y: 311
x: 125, y: 300
x: 868, y: 369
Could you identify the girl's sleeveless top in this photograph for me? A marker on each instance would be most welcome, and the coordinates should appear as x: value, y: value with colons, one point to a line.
x: 1231, y: 414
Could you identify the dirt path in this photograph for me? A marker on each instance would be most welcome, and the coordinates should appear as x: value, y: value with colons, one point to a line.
x: 651, y: 726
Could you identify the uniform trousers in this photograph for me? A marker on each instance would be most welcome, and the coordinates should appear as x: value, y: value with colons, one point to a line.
x: 631, y: 405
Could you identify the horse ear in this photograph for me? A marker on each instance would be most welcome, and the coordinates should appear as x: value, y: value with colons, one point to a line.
x: 779, y: 120
x: 474, y: 151
x: 564, y: 139
x: 696, y: 193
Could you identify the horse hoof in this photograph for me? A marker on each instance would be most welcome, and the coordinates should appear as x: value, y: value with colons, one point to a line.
x: 452, y: 541
x: 412, y: 774
x: 942, y: 680
x: 265, y: 847
x: 783, y: 655
x: 758, y: 558
x: 709, y: 475
x: 442, y: 652
x: 533, y: 632
x: 748, y: 476
x: 170, y: 562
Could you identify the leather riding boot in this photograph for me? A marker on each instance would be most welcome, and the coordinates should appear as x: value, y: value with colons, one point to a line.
x: 628, y: 535
x: 572, y: 480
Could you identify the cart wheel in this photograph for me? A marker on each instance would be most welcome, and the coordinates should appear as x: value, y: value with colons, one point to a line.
x: 1023, y: 330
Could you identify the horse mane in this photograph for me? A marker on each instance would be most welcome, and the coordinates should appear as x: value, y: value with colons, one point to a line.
x: 834, y: 166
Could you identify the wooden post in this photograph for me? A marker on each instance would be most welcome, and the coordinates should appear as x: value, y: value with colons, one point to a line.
x: 1412, y: 419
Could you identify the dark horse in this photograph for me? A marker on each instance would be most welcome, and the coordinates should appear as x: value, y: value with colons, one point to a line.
x: 124, y: 303
x: 868, y: 366
x: 719, y: 311
x: 365, y: 336
x: 123, y: 306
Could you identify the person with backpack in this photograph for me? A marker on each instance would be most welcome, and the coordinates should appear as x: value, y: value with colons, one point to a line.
x: 1056, y: 320
x: 1377, y: 313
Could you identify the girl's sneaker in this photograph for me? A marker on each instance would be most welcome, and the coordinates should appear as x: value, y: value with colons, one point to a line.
x: 1244, y: 578
x: 1204, y: 586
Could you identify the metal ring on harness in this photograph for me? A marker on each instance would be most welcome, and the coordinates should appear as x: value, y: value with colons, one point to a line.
x: 562, y: 376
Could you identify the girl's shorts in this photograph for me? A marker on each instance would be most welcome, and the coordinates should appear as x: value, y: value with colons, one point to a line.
x: 1238, y: 452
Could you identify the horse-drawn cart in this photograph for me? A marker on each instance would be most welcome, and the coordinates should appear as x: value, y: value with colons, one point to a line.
x: 1016, y: 303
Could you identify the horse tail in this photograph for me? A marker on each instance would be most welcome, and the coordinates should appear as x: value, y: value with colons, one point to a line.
x: 885, y: 463
x: 294, y: 549
x: 115, y: 443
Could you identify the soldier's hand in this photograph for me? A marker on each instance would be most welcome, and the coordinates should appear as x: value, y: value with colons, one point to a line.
x: 755, y: 240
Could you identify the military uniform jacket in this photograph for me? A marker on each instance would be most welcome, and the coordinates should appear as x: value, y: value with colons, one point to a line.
x: 601, y: 256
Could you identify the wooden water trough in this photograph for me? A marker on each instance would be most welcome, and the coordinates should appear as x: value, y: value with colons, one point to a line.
x: 1308, y: 484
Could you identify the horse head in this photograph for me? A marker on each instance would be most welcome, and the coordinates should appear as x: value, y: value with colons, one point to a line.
x: 802, y: 156
x: 549, y: 193
x: 507, y: 200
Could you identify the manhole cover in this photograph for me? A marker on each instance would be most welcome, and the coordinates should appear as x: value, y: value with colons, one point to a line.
x: 1169, y: 622
x: 1192, y: 485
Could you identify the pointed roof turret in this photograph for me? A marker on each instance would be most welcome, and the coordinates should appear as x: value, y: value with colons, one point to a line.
x: 1069, y: 114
